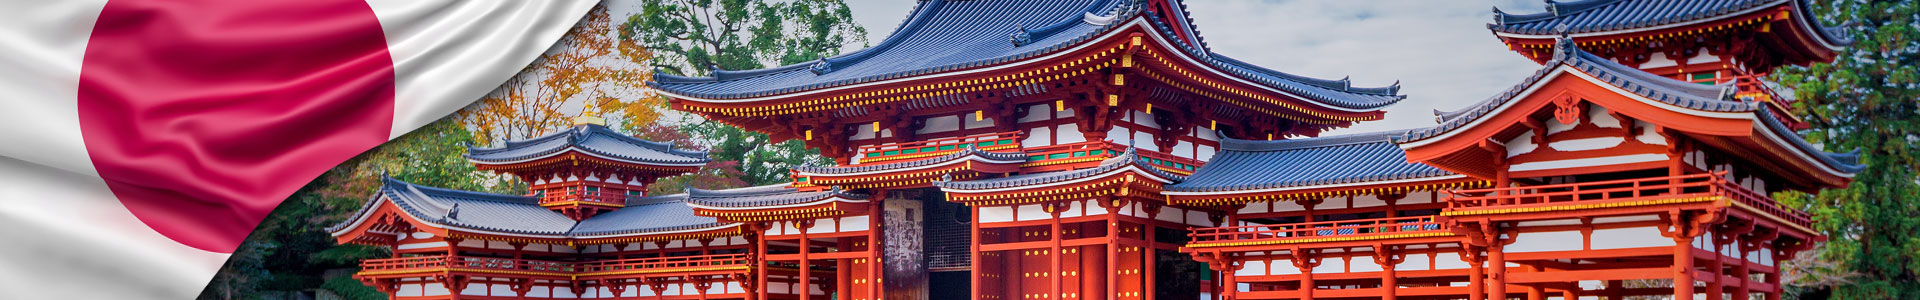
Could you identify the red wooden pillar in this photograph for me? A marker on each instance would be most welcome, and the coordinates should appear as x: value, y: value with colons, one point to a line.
x: 979, y: 271
x: 1497, y: 260
x: 843, y: 268
x: 876, y: 283
x: 1476, y: 277
x: 1389, y: 278
x: 1682, y: 263
x: 1616, y: 290
x: 1230, y: 286
x: 1741, y: 291
x: 1150, y: 256
x: 806, y: 266
x: 1718, y: 286
x: 1302, y: 261
x: 1113, y: 252
x: 1534, y: 291
x: 760, y: 260
x: 1054, y: 275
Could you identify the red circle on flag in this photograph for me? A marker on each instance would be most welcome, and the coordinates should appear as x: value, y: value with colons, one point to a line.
x: 203, y: 115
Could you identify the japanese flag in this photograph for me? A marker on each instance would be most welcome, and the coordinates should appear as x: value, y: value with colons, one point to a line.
x: 141, y: 140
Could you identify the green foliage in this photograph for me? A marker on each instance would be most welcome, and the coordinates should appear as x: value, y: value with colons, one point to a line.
x: 291, y: 247
x: 351, y: 289
x: 1868, y: 99
x: 693, y: 37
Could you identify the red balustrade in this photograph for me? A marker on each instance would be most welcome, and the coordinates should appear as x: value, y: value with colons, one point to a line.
x: 1682, y: 186
x: 894, y: 151
x: 404, y: 263
x: 1324, y: 229
x: 1105, y: 149
x: 456, y: 262
x: 672, y: 262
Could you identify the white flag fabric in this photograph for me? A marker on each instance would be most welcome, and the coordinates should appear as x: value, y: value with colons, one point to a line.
x: 140, y: 141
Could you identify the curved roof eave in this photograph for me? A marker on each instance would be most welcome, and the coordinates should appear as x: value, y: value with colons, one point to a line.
x: 1327, y: 94
x: 1526, y: 25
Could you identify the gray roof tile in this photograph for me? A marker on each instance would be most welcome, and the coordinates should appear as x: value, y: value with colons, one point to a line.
x: 1588, y: 16
x: 945, y: 35
x: 1347, y: 159
x: 594, y: 139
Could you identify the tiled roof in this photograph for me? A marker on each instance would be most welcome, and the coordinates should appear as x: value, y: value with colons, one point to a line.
x: 650, y: 214
x: 1117, y: 162
x: 969, y: 153
x: 523, y: 215
x: 947, y: 35
x: 1589, y: 16
x: 1715, y: 98
x: 1848, y: 162
x: 593, y: 139
x: 1347, y: 159
x: 766, y: 195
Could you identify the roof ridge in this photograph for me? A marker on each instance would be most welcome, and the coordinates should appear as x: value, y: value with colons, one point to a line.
x: 1232, y: 144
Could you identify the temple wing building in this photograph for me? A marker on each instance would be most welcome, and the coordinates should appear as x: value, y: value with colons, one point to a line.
x: 1098, y: 149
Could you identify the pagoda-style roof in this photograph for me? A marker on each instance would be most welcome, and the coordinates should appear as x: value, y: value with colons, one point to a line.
x: 1603, y: 17
x: 1326, y: 165
x: 593, y: 140
x: 942, y: 37
x: 1127, y: 174
x: 766, y: 196
x: 967, y: 161
x: 1707, y: 110
x: 479, y: 213
x: 1709, y: 98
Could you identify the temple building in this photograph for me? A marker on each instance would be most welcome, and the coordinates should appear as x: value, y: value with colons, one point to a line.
x: 1098, y: 149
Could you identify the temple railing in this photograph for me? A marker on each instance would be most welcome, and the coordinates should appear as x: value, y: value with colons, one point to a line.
x: 436, y: 263
x: 1095, y: 151
x: 936, y: 147
x: 1654, y: 188
x: 421, y: 263
x: 1357, y: 229
x: 671, y: 262
x: 1070, y: 153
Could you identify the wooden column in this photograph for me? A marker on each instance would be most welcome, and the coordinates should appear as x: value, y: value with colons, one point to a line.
x: 1497, y: 260
x: 1616, y: 290
x: 1389, y: 258
x: 760, y: 260
x: 979, y: 272
x: 1717, y: 287
x: 1534, y: 291
x: 1057, y: 286
x: 1113, y: 251
x: 806, y: 266
x: 1305, y: 262
x: 1150, y: 256
x: 843, y: 268
x: 1476, y: 273
x: 876, y: 285
x: 1741, y: 291
x: 1682, y: 264
x: 1229, y: 287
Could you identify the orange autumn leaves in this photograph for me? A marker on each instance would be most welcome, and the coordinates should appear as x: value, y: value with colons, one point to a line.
x: 588, y: 72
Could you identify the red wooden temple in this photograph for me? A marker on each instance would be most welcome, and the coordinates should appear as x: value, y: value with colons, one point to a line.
x: 1097, y: 149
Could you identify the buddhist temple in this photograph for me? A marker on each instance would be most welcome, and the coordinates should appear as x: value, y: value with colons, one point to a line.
x: 1099, y: 149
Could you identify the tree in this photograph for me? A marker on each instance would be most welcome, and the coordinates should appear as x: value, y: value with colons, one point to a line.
x: 587, y: 72
x: 291, y: 249
x: 1869, y: 99
x: 694, y: 37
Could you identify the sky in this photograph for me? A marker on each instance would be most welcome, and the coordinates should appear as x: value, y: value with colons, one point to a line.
x: 1440, y: 51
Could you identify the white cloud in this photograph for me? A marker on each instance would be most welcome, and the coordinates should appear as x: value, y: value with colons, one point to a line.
x: 1440, y: 51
